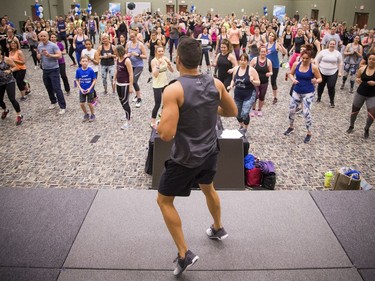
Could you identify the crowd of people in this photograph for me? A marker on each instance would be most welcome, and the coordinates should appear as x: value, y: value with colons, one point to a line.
x: 244, y: 53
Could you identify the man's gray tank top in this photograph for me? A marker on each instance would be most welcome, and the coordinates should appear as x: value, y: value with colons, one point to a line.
x: 196, y: 138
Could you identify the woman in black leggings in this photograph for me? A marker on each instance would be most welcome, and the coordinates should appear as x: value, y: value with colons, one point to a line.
x: 71, y: 32
x: 7, y: 83
x: 32, y: 39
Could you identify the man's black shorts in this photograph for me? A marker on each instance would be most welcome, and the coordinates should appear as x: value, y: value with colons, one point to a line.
x: 178, y: 180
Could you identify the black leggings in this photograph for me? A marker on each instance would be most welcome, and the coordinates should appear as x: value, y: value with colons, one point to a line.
x: 330, y: 80
x: 137, y: 71
x: 19, y: 75
x: 62, y: 68
x: 275, y: 72
x: 206, y: 57
x: 34, y: 55
x: 123, y: 95
x: 157, y: 97
x: 71, y: 51
x: 11, y: 91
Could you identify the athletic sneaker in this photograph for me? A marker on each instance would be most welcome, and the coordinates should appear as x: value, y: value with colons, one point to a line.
x: 92, y: 118
x: 219, y: 234
x: 4, y: 114
x: 135, y: 99
x: 124, y: 118
x: 253, y: 113
x: 307, y: 139
x: 184, y: 264
x: 288, y: 131
x: 19, y: 120
x: 342, y: 86
x: 351, y: 90
x: 350, y: 130
x: 86, y: 117
x: 138, y: 103
x: 62, y: 111
x: 332, y: 105
x: 52, y: 106
x: 105, y: 93
x: 24, y: 98
x: 125, y: 125
x: 260, y: 113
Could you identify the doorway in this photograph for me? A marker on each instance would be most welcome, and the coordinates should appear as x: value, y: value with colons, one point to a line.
x: 170, y: 8
x: 182, y: 8
x: 360, y: 19
x: 314, y: 14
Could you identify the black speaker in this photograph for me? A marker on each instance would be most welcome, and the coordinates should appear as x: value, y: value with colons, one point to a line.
x: 131, y: 6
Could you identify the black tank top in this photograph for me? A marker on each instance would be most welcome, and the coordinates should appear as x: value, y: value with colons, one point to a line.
x: 288, y: 39
x: 262, y: 69
x: 299, y: 41
x: 5, y: 78
x: 107, y: 61
x: 223, y: 65
x: 196, y: 138
x: 152, y: 47
x: 243, y: 87
x: 364, y: 89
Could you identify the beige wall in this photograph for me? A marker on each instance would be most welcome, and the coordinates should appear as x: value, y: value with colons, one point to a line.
x: 345, y: 9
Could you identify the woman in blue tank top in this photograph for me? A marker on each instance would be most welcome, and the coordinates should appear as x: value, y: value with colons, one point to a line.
x: 272, y: 54
x: 206, y: 42
x: 245, y: 79
x: 304, y: 75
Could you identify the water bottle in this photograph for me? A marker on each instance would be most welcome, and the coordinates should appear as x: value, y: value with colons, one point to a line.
x: 327, y: 179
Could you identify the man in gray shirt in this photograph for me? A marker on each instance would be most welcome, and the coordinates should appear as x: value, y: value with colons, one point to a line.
x: 332, y: 36
x: 49, y: 54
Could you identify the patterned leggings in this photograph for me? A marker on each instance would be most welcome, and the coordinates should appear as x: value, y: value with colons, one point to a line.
x: 295, y: 102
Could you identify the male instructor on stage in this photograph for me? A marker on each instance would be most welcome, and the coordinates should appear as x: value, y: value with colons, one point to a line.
x: 190, y: 108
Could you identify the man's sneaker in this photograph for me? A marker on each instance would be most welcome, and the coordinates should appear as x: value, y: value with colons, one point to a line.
x: 105, y: 93
x: 332, y: 105
x: 366, y: 134
x: 350, y: 130
x: 183, y: 264
x: 19, y: 120
x: 274, y: 100
x: 288, y: 131
x: 52, y: 106
x: 307, y: 139
x: 125, y: 125
x: 86, y: 117
x: 351, y: 90
x: 149, y: 79
x: 67, y: 93
x: 138, y: 103
x: 92, y: 118
x: 135, y: 99
x: 318, y: 100
x: 124, y: 118
x: 24, y: 98
x: 62, y: 111
x: 219, y: 234
x: 342, y: 86
x: 4, y: 114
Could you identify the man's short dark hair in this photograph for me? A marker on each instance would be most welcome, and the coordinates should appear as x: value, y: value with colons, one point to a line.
x: 189, y: 51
